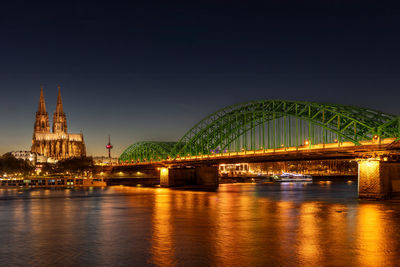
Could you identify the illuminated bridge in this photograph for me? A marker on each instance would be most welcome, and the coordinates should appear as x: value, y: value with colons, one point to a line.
x: 272, y: 130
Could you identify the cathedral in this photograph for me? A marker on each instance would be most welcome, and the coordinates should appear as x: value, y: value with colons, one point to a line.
x: 57, y: 144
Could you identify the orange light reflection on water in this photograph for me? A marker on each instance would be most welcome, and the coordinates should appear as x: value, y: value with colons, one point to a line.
x: 162, y: 243
x: 239, y: 225
x: 225, y: 240
x: 309, y: 235
x: 374, y: 239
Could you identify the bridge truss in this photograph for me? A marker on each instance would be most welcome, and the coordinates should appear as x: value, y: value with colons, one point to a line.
x: 270, y: 124
x: 147, y: 151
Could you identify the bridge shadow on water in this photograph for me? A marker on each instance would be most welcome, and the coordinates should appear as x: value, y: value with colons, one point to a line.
x: 327, y: 191
x: 343, y: 192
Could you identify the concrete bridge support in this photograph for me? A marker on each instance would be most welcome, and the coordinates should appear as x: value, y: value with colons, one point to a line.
x: 378, y: 179
x: 164, y: 177
x: 206, y: 176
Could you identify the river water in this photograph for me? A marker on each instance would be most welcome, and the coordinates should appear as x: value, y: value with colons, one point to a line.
x: 239, y: 225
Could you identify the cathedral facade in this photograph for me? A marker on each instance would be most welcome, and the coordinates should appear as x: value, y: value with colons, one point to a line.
x: 57, y: 144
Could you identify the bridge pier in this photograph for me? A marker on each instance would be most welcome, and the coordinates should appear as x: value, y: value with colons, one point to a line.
x: 206, y: 176
x: 378, y: 178
x: 164, y: 177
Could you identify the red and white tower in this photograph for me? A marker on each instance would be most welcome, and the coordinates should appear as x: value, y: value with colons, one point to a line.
x: 109, y: 147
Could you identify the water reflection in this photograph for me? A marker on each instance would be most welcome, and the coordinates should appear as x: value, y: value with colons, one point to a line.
x: 162, y: 246
x: 240, y: 225
x: 309, y: 234
x: 375, y: 244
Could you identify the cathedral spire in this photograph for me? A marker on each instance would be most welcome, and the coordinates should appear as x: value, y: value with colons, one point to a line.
x: 42, y: 104
x: 59, y: 118
x: 42, y: 124
x: 59, y: 108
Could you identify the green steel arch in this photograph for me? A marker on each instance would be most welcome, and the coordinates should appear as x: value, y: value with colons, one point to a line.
x: 147, y: 151
x: 270, y: 124
x: 278, y: 123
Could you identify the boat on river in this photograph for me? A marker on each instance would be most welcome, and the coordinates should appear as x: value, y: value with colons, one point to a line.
x: 292, y: 177
x: 51, y: 181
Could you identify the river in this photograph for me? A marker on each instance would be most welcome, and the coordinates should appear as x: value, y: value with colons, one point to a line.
x: 238, y: 225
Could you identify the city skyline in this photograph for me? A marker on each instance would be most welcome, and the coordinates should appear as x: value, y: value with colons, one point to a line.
x: 151, y: 72
x: 203, y: 133
x: 72, y: 125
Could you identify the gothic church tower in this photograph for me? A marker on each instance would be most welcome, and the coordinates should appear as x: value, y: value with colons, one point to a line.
x: 58, y: 144
x: 59, y: 118
x: 42, y: 124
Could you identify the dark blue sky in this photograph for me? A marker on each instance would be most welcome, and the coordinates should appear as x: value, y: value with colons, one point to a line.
x: 151, y: 70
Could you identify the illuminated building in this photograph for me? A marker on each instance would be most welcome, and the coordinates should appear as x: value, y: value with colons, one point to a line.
x: 58, y: 144
x: 33, y: 157
x: 25, y: 155
x: 101, y: 160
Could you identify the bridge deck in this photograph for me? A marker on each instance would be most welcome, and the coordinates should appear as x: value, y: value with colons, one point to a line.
x: 346, y: 150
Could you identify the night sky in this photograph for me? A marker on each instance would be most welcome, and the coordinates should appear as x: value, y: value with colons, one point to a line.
x: 151, y: 70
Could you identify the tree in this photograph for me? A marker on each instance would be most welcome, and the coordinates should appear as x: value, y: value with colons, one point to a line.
x: 10, y: 164
x: 76, y: 165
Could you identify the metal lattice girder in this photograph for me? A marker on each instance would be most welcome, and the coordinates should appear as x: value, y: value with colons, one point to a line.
x: 147, y: 151
x: 271, y: 124
x: 285, y: 122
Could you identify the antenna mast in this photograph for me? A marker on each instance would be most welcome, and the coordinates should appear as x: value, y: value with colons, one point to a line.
x: 109, y: 146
